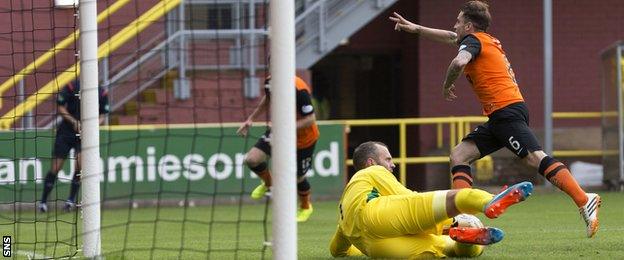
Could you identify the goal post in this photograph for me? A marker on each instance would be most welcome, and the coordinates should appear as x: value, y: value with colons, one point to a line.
x: 166, y: 177
x: 282, y: 67
x: 90, y: 132
x: 612, y: 61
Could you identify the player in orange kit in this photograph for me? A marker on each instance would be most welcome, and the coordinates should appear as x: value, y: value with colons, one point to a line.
x: 307, y: 135
x: 482, y: 59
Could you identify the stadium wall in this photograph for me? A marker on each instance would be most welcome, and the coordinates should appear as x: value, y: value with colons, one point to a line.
x: 581, y: 31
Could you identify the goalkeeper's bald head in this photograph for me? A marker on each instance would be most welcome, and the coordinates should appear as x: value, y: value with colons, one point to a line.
x: 372, y: 153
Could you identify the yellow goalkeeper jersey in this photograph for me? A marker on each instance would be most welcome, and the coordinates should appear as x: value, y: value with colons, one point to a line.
x: 365, y: 185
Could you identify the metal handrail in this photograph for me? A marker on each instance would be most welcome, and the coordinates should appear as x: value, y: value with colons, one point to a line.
x: 128, y: 32
x: 62, y: 45
x: 458, y: 127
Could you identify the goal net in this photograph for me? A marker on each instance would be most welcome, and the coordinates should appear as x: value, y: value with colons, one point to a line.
x: 176, y: 74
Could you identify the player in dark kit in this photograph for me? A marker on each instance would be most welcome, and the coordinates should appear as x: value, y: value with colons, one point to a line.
x: 68, y: 137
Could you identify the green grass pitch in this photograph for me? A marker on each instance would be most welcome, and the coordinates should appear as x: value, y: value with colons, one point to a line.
x: 546, y: 226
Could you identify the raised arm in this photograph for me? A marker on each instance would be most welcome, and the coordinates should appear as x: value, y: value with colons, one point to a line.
x: 244, y: 128
x: 443, y: 36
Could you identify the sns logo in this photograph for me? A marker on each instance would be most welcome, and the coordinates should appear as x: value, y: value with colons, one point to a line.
x: 6, y: 246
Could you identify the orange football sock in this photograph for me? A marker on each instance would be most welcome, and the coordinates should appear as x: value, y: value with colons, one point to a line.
x: 304, y: 199
x: 266, y: 177
x: 559, y: 175
x: 462, y: 177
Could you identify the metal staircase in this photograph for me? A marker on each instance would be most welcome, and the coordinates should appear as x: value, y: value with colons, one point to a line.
x: 235, y: 43
x: 320, y: 27
x: 325, y: 23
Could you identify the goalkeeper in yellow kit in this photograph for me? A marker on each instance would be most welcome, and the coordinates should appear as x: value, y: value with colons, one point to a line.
x: 381, y: 218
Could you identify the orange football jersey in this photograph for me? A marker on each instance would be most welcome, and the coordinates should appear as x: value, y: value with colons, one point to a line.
x: 491, y: 75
